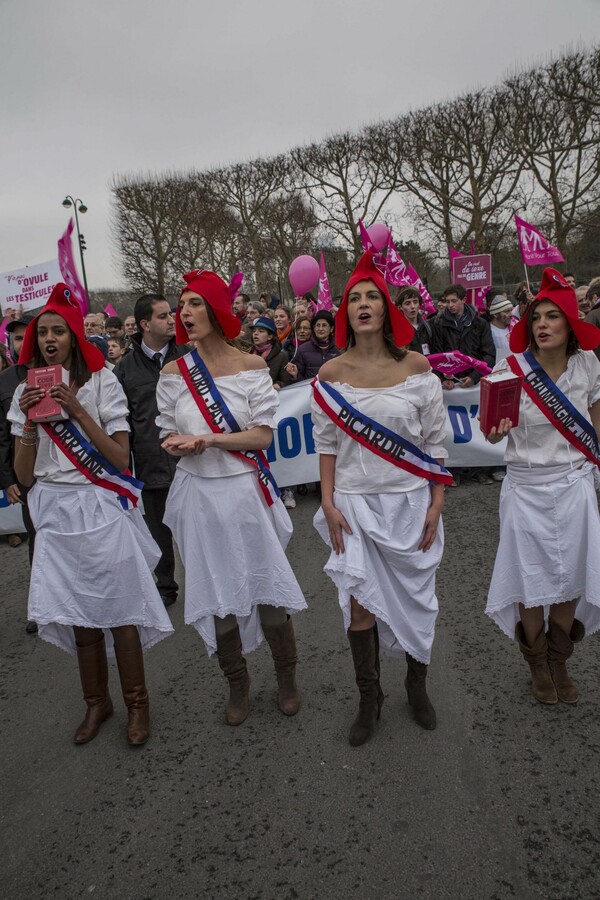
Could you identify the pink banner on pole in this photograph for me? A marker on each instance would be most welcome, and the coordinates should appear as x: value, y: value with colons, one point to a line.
x: 395, y: 267
x: 367, y: 243
x: 68, y: 270
x: 110, y: 310
x: 324, y: 300
x: 414, y: 279
x: 3, y: 331
x: 235, y: 285
x: 456, y: 362
x: 479, y: 292
x: 536, y: 250
x: 472, y: 272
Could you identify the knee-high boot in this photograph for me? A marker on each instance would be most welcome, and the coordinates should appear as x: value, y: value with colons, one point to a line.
x: 560, y: 648
x: 131, y: 672
x: 422, y: 707
x: 282, y: 641
x: 233, y: 665
x: 365, y: 656
x: 542, y: 686
x: 93, y: 671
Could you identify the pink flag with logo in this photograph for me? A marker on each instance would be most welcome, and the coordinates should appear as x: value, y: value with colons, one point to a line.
x: 324, y: 300
x: 536, y: 250
x: 110, y: 310
x: 69, y: 272
x: 456, y: 362
x: 413, y: 278
x: 479, y: 292
x: 367, y: 243
x: 395, y: 267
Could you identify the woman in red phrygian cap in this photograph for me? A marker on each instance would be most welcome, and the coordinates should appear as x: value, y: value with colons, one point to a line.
x: 547, y: 569
x: 239, y: 584
x: 91, y: 574
x: 382, y: 523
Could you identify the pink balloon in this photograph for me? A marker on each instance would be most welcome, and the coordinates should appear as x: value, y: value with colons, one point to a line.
x: 303, y: 274
x: 378, y: 234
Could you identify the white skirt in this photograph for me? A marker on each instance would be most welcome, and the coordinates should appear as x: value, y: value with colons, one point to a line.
x: 92, y: 567
x: 549, y: 550
x: 233, y: 550
x: 384, y: 570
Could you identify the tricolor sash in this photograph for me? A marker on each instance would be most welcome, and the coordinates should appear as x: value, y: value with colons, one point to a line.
x: 90, y: 462
x: 220, y: 419
x: 376, y: 437
x: 556, y: 406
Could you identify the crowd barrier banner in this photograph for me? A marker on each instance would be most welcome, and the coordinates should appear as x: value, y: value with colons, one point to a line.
x: 292, y: 454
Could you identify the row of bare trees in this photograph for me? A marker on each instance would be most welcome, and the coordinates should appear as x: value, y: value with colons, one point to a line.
x: 452, y: 174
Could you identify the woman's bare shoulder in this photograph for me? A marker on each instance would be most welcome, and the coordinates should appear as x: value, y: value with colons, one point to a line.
x: 417, y: 363
x: 332, y: 370
x: 171, y: 368
x: 252, y: 361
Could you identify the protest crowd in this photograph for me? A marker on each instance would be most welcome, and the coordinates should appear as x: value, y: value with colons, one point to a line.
x: 172, y: 407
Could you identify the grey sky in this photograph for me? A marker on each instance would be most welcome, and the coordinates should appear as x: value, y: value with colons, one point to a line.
x: 93, y: 88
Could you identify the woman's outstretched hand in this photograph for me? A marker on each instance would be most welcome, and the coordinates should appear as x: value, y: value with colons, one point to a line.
x: 500, y: 432
x: 337, y: 525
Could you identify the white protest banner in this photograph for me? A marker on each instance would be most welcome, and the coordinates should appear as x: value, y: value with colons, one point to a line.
x: 28, y: 288
x: 292, y: 455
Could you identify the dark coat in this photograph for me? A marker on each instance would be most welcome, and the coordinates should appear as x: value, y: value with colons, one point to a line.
x: 422, y: 338
x: 277, y: 359
x: 10, y: 379
x: 474, y: 338
x: 310, y: 357
x: 139, y: 375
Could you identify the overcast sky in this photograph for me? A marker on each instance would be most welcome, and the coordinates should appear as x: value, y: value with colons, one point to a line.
x: 91, y: 88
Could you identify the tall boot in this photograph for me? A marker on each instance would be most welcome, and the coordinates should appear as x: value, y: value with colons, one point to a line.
x: 560, y: 648
x: 282, y: 642
x: 233, y: 665
x: 365, y: 656
x: 416, y: 689
x: 542, y: 685
x: 93, y: 670
x: 131, y: 672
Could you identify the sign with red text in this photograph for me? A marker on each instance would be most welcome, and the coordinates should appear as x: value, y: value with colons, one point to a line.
x: 26, y: 289
x: 472, y: 271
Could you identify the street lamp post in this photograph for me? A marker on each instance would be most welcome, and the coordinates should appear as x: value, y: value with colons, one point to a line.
x: 82, y: 208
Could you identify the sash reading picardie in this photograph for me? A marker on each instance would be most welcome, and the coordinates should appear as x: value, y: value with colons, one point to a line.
x: 92, y: 464
x: 376, y: 437
x: 556, y: 406
x: 220, y: 419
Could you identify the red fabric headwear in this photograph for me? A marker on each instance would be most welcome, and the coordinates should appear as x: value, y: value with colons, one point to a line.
x: 62, y: 302
x: 366, y: 270
x: 555, y: 289
x: 216, y: 293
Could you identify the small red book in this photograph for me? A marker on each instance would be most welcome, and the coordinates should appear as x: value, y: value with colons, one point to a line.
x: 499, y: 398
x: 48, y: 409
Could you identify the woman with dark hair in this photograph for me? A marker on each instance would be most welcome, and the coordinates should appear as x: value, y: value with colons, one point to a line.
x: 91, y: 574
x: 547, y: 569
x: 216, y: 408
x: 265, y: 343
x: 316, y: 351
x: 379, y: 427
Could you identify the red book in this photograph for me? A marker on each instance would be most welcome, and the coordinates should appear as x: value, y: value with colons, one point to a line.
x: 48, y: 409
x: 500, y: 394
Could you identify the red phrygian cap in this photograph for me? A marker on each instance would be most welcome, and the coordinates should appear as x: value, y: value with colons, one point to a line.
x: 213, y: 289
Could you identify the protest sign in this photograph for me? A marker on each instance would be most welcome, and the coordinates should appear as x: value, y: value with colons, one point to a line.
x: 26, y: 289
x: 472, y: 271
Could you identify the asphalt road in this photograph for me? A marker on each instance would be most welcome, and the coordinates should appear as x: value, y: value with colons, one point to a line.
x: 501, y: 801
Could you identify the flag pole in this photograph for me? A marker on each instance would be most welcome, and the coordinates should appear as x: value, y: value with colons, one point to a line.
x: 526, y: 276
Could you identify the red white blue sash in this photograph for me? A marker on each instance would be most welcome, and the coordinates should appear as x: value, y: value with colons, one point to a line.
x: 376, y: 437
x: 220, y: 419
x: 92, y: 464
x: 556, y: 406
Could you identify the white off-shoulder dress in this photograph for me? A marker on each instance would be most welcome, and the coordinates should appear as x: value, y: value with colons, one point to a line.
x: 385, y: 506
x: 93, y: 561
x: 232, y: 545
x: 549, y: 548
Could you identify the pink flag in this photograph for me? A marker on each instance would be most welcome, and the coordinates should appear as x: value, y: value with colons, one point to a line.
x: 69, y: 272
x: 324, y: 300
x: 3, y: 331
x: 536, y: 250
x: 110, y: 310
x: 395, y: 267
x: 413, y: 278
x: 367, y: 243
x: 456, y: 362
x: 235, y: 285
x: 479, y: 292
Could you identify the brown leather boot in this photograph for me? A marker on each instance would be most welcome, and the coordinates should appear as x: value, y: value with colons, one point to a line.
x: 560, y: 648
x: 365, y: 656
x: 131, y: 672
x: 282, y: 641
x: 233, y: 665
x: 415, y: 684
x: 542, y: 685
x: 93, y: 670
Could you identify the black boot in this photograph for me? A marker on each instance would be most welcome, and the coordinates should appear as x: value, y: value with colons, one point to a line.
x: 365, y: 655
x: 415, y: 684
